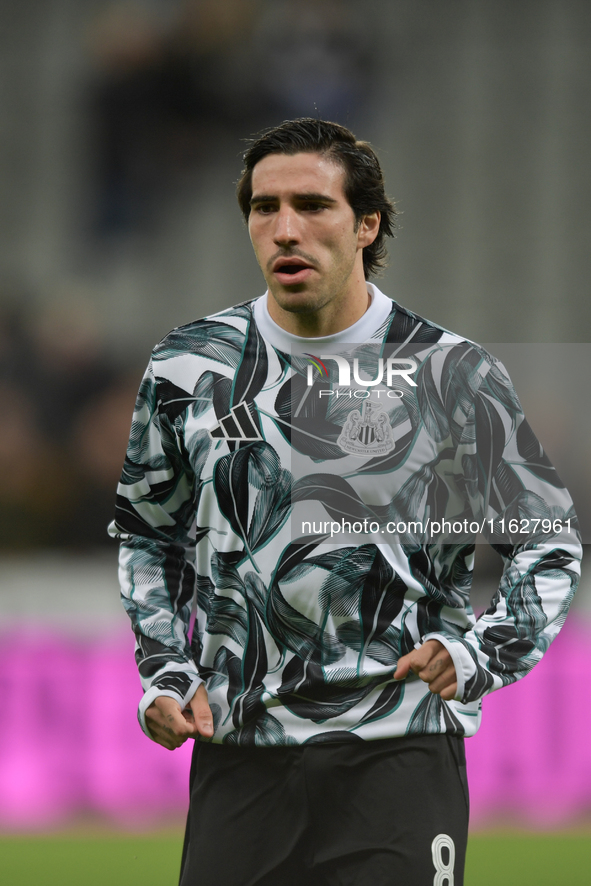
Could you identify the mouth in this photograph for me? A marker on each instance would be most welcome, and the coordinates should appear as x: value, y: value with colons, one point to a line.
x: 290, y: 271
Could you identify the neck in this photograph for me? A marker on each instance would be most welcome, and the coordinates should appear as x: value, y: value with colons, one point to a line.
x: 333, y: 317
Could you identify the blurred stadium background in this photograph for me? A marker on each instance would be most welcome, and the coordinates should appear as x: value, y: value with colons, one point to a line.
x: 120, y: 142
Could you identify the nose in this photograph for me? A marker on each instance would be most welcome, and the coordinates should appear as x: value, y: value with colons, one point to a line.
x: 286, y: 227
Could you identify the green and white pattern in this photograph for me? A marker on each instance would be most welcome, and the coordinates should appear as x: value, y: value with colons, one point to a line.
x: 297, y: 637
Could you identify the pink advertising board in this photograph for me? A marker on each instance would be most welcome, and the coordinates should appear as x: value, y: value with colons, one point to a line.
x: 70, y: 745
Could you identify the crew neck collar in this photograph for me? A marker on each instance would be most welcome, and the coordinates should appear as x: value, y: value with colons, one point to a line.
x: 363, y: 330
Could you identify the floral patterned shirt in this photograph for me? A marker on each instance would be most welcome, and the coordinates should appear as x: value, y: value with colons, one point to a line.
x: 295, y: 515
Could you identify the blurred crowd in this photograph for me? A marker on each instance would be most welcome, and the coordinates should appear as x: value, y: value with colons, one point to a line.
x: 170, y: 86
x: 176, y: 81
x: 67, y: 405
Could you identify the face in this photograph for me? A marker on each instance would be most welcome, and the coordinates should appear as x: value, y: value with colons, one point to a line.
x: 304, y: 233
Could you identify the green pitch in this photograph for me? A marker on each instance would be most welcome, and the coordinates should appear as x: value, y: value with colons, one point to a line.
x: 153, y: 860
x: 101, y: 860
x: 517, y: 859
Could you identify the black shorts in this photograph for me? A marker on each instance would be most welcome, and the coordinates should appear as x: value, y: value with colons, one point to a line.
x: 391, y: 812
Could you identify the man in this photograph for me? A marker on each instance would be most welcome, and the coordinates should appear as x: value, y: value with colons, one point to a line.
x: 335, y: 663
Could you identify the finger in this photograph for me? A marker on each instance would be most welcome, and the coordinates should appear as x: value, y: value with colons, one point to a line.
x: 166, y: 722
x: 203, y: 719
x: 443, y: 681
x: 414, y: 661
x: 403, y: 667
x: 171, y: 717
x: 425, y: 654
x: 164, y: 736
x: 436, y: 666
x: 450, y: 692
x: 168, y: 741
x: 418, y: 659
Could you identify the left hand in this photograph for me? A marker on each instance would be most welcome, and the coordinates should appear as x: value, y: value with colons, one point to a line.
x: 433, y: 664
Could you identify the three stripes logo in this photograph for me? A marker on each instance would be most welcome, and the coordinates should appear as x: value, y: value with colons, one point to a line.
x: 238, y: 425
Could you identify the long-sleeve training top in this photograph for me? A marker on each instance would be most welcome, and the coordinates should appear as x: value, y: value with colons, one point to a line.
x: 295, y: 515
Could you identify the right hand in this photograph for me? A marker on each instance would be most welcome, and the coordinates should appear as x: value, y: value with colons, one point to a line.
x: 434, y: 665
x: 171, y: 727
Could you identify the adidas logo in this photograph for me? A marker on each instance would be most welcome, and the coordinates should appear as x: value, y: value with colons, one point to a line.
x: 238, y: 425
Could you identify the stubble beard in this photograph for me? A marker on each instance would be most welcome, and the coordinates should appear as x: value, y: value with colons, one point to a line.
x: 316, y: 299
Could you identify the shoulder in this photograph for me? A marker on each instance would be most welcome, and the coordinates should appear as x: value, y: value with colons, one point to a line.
x: 406, y: 326
x: 455, y: 362
x: 210, y: 348
x: 200, y: 336
x: 216, y: 341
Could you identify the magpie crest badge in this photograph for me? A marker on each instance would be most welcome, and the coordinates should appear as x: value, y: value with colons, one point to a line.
x: 367, y: 433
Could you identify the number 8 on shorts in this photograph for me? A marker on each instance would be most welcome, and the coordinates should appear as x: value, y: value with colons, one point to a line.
x: 444, y: 871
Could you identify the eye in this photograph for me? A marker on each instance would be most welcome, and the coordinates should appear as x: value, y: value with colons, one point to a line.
x: 264, y: 208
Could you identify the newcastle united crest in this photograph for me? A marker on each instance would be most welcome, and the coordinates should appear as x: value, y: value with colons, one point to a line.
x: 367, y: 433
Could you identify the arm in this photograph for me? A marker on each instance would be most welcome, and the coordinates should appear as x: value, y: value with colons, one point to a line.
x: 506, y: 475
x: 156, y: 506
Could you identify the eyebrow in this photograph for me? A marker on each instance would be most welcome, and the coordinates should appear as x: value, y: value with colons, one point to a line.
x: 311, y: 196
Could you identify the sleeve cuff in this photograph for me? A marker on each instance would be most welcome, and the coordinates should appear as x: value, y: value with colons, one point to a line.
x: 461, y: 658
x: 155, y: 691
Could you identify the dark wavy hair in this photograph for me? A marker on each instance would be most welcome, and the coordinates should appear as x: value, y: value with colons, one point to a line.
x: 364, y: 180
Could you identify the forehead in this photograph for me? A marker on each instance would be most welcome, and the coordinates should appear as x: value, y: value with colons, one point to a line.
x: 283, y: 174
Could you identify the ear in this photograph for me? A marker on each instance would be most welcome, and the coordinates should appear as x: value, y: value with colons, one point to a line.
x: 368, y: 229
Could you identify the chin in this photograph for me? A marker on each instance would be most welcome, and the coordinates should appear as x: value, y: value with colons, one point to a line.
x: 299, y: 307
x: 296, y: 301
